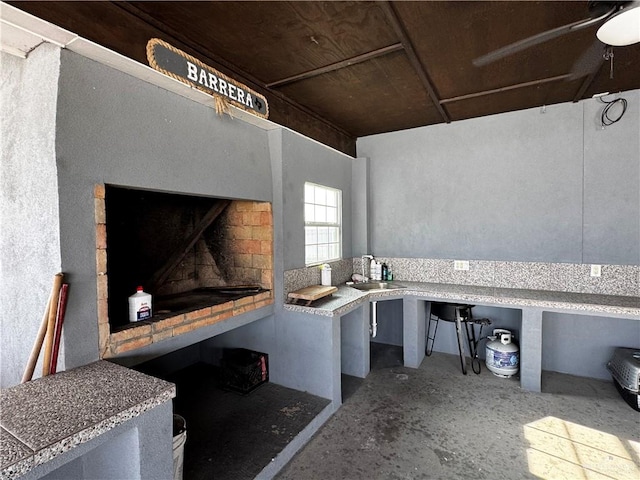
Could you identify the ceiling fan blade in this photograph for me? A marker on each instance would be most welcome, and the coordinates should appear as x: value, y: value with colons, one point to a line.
x: 589, y: 62
x: 540, y: 38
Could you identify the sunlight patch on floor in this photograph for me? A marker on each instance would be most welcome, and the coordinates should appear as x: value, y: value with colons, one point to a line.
x: 564, y: 450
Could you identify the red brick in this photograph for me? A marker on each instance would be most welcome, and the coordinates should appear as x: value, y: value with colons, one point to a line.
x: 222, y: 307
x: 263, y: 232
x: 235, y: 218
x: 266, y: 218
x: 99, y: 211
x: 103, y: 311
x: 203, y: 312
x: 266, y: 247
x: 189, y: 327
x: 101, y: 286
x: 264, y: 303
x: 168, y: 323
x: 242, y: 301
x: 267, y: 279
x: 243, y: 260
x: 243, y: 206
x: 241, y: 232
x: 101, y: 260
x: 131, y: 345
x: 129, y: 333
x: 163, y: 335
x: 261, y: 261
x: 99, y: 191
x: 101, y: 236
x: 104, y: 331
x: 262, y: 207
x: 262, y: 296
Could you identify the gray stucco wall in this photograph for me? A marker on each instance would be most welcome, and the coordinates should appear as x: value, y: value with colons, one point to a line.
x: 115, y: 129
x: 29, y: 227
x: 520, y: 186
x: 307, y: 161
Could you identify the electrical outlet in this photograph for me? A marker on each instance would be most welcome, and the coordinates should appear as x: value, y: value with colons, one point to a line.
x: 596, y: 270
x: 461, y: 265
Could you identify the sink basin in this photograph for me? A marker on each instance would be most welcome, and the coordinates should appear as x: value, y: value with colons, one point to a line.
x: 376, y: 286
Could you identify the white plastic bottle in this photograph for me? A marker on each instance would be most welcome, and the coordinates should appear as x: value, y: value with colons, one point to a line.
x: 325, y: 276
x: 139, y: 306
x: 372, y: 270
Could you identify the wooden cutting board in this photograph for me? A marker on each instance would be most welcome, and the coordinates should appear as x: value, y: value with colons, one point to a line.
x: 311, y: 293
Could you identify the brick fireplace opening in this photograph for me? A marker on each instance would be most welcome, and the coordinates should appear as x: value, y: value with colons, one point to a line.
x: 203, y: 260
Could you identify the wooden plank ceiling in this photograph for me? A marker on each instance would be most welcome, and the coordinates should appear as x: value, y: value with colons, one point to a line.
x: 336, y: 71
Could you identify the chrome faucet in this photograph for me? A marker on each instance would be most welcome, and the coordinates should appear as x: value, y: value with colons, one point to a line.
x: 370, y: 257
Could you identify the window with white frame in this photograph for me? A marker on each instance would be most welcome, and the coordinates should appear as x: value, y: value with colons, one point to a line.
x: 322, y: 219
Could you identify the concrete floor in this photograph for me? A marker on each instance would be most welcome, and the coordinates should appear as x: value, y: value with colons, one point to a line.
x: 435, y: 423
x: 232, y: 436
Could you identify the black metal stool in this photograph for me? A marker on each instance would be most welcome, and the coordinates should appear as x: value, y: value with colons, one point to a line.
x: 458, y: 314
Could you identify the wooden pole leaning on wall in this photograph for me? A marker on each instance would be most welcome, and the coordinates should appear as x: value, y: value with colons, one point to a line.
x: 37, y: 346
x: 62, y: 308
x: 51, y: 324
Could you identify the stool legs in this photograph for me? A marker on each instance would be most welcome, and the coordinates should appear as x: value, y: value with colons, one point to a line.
x: 428, y: 350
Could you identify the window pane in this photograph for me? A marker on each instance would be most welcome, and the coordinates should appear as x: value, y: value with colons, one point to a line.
x: 332, y: 198
x: 311, y: 235
x: 323, y: 252
x: 309, y: 213
x: 332, y: 215
x: 320, y: 214
x: 334, y: 250
x: 311, y: 254
x: 323, y: 234
x: 334, y: 236
x: 320, y: 196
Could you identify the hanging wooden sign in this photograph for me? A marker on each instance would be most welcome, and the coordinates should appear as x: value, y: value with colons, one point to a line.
x: 183, y: 67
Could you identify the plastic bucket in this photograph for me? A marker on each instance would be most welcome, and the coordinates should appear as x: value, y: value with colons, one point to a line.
x: 179, y: 439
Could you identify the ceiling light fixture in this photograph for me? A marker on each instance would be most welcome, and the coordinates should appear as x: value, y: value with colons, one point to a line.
x: 623, y: 28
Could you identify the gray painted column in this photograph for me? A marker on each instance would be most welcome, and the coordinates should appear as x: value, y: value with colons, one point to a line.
x: 309, y: 350
x: 413, y: 337
x: 531, y: 349
x: 360, y: 206
x: 354, y: 342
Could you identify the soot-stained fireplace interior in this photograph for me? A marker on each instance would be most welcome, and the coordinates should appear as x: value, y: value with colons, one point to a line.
x: 187, y: 251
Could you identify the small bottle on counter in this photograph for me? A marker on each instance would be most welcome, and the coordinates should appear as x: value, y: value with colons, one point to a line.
x: 385, y: 272
x: 378, y: 271
x: 325, y: 276
x: 139, y: 306
x: 389, y: 274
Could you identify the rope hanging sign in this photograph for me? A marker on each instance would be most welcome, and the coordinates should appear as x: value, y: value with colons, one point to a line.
x: 189, y: 70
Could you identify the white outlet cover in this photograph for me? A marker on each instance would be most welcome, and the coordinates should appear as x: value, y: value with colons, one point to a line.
x: 596, y: 270
x: 461, y: 265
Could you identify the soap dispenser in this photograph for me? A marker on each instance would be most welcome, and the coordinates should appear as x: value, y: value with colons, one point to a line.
x: 372, y: 269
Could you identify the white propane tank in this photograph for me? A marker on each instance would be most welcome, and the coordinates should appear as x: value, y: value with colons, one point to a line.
x: 503, y: 356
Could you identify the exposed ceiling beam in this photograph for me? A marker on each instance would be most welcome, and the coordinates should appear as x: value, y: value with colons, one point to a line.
x: 338, y: 65
x: 398, y: 27
x: 507, y: 88
x: 208, y: 54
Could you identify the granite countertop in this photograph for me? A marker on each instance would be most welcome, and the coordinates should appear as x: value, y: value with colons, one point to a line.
x: 46, y: 417
x: 348, y: 298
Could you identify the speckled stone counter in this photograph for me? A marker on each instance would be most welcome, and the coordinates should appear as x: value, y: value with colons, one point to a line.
x: 347, y: 298
x: 42, y: 419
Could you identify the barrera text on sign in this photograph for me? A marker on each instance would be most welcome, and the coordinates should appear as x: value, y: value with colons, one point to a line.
x: 187, y: 69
